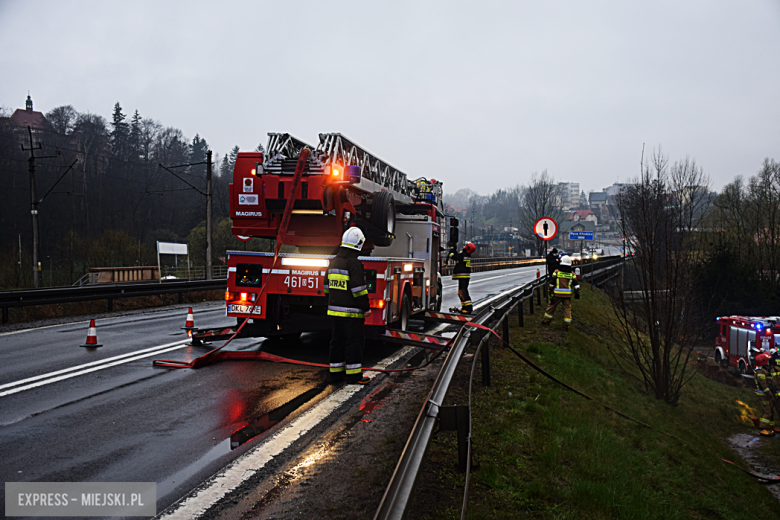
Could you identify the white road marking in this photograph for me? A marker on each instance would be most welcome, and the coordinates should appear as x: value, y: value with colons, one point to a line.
x: 108, y: 321
x: 85, y: 365
x: 472, y: 282
x: 101, y: 365
x: 254, y: 460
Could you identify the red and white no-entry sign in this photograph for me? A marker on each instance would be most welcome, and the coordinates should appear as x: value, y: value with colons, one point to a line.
x: 546, y: 228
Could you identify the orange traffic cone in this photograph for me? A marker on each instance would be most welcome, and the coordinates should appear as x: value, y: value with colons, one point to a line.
x: 190, y: 323
x: 91, y: 341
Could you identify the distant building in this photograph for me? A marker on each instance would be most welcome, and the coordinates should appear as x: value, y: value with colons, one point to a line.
x: 584, y: 214
x: 28, y: 117
x: 597, y: 199
x: 570, y: 195
x: 615, y: 188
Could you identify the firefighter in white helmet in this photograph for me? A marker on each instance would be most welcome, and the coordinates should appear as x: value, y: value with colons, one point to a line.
x: 348, y: 306
x: 563, y: 284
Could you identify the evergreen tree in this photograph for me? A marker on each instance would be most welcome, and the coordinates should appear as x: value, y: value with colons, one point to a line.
x: 226, y: 169
x: 198, y: 150
x: 260, y: 148
x: 233, y: 157
x: 120, y: 132
x: 134, y: 139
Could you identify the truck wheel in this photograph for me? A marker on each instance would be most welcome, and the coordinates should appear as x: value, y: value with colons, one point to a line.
x: 383, y: 217
x: 718, y: 358
x: 406, y: 309
x: 439, y: 295
x: 742, y: 368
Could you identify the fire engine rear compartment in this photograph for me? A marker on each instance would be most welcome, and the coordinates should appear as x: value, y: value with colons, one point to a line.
x: 294, y: 300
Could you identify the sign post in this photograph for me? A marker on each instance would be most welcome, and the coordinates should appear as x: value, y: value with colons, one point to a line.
x: 546, y: 229
x: 172, y: 248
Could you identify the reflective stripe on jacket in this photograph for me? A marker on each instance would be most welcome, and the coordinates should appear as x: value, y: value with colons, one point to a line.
x: 345, y: 285
x: 763, y: 378
x: 462, y: 264
x: 564, y: 284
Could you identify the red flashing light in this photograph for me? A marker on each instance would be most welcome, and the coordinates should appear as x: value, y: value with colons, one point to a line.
x: 377, y: 304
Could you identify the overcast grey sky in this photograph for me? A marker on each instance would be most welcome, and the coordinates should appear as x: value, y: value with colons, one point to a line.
x: 477, y: 94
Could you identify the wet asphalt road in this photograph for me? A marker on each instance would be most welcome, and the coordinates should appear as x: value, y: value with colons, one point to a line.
x: 131, y: 422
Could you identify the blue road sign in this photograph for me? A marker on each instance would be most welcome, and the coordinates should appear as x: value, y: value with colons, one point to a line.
x: 580, y: 235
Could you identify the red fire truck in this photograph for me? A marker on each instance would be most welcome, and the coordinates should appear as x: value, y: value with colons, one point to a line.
x: 341, y: 185
x: 741, y: 338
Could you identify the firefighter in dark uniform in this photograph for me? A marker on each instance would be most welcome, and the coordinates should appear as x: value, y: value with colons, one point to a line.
x: 563, y: 284
x: 462, y: 273
x: 553, y: 262
x: 763, y: 379
x: 348, y: 305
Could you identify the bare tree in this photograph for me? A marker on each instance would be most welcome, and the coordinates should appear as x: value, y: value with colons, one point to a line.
x: 63, y: 119
x: 662, y: 216
x: 540, y: 198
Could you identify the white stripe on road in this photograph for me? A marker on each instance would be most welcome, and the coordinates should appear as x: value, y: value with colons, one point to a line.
x: 472, y: 282
x: 100, y: 365
x: 254, y: 460
x: 111, y: 321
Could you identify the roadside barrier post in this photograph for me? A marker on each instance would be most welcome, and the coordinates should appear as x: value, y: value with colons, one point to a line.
x: 457, y: 418
x: 520, y: 311
x: 531, y: 303
x: 506, y: 328
x: 539, y: 296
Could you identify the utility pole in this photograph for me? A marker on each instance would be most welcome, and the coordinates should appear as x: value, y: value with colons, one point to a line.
x: 34, y: 207
x: 208, y: 216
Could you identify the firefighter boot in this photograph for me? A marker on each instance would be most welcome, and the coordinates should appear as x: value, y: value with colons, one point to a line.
x: 359, y: 379
x: 767, y: 433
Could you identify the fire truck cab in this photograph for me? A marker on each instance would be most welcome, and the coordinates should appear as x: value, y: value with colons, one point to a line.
x: 741, y: 338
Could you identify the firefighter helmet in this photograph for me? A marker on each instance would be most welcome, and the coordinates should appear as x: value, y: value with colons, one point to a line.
x: 353, y: 238
x: 566, y: 260
x: 469, y: 247
x: 762, y: 359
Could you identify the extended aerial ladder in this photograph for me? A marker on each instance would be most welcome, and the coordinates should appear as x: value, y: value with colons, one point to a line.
x: 341, y: 180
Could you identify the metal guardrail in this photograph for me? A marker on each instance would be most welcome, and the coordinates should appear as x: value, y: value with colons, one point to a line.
x: 498, y: 307
x: 110, y: 292
x: 489, y: 264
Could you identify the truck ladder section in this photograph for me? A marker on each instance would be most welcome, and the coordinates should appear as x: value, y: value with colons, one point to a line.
x: 375, y: 174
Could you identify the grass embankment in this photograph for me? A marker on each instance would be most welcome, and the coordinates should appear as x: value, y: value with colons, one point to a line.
x: 543, y: 451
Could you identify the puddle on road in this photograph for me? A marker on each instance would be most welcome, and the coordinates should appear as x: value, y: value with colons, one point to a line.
x: 368, y: 406
x: 266, y: 421
x: 249, y: 432
x: 750, y: 447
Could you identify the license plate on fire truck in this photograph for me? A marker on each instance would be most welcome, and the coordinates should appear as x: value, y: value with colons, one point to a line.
x: 244, y: 309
